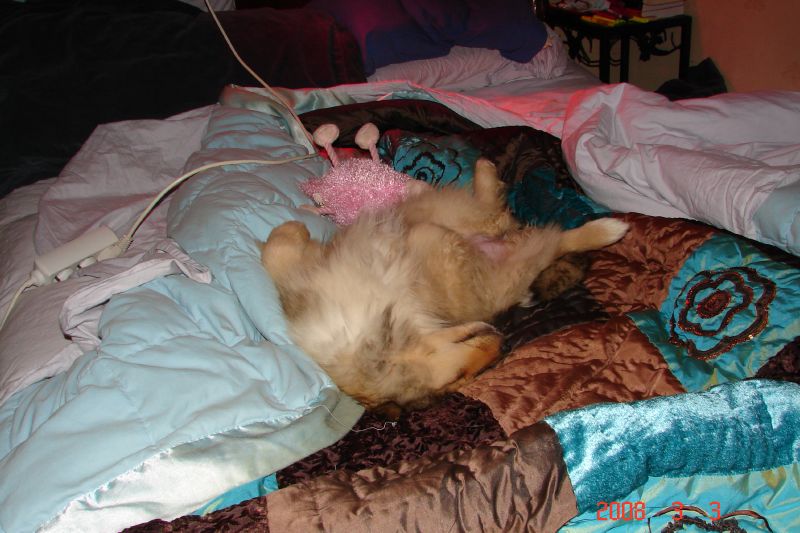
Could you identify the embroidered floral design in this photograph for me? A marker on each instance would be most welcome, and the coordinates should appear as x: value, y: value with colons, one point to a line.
x: 428, y: 162
x: 718, y: 309
x: 438, y: 163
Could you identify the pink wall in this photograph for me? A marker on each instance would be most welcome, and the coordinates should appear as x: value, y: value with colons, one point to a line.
x: 754, y: 43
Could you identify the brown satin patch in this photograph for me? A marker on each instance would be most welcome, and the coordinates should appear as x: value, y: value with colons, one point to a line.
x: 516, y: 484
x: 635, y: 273
x: 573, y: 367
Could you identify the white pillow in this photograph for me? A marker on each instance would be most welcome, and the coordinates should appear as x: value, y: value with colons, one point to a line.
x: 472, y: 68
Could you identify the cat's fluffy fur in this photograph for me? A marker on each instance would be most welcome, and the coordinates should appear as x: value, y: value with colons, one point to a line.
x: 395, y: 306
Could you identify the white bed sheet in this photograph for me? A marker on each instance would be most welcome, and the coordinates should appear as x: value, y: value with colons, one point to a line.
x: 144, y: 155
x: 731, y: 160
x: 540, y: 103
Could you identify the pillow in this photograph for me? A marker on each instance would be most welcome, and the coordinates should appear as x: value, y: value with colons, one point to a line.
x: 396, y: 31
x: 509, y: 26
x: 439, y: 18
x: 384, y: 30
x: 472, y: 68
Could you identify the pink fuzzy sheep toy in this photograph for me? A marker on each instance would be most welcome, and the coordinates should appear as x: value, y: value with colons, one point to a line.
x: 356, y: 184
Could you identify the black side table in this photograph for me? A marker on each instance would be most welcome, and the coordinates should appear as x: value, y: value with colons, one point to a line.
x: 649, y: 36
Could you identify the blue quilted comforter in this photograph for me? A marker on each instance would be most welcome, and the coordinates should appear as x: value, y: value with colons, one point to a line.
x: 194, y: 388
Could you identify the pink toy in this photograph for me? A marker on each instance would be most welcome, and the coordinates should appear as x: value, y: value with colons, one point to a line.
x: 367, y: 139
x: 324, y: 136
x: 357, y: 184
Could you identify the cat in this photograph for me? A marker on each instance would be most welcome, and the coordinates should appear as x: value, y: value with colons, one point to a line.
x: 395, y: 307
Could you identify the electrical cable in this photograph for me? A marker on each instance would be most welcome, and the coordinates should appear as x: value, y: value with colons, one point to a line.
x: 126, y: 240
x: 30, y: 282
x: 258, y: 78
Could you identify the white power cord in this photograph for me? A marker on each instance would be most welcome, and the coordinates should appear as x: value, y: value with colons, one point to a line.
x: 258, y: 78
x: 30, y: 282
x: 101, y: 243
x: 122, y: 244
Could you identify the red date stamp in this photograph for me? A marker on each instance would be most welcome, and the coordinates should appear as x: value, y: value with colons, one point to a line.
x: 626, y: 511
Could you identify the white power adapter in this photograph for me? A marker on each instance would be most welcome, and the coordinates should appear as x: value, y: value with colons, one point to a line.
x: 102, y: 243
x: 61, y: 262
x: 96, y: 245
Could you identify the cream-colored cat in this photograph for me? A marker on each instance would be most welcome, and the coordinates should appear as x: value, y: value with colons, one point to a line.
x: 395, y: 306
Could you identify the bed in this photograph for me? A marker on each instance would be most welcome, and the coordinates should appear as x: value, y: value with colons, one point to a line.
x: 160, y: 391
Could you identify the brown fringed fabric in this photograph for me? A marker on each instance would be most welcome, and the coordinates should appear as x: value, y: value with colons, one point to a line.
x: 785, y: 365
x: 518, y: 483
x: 521, y: 325
x: 249, y: 516
x: 456, y: 423
x: 411, y: 115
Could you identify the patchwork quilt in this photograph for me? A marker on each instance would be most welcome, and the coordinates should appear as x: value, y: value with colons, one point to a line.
x: 660, y: 394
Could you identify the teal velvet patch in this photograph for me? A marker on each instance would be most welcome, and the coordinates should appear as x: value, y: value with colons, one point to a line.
x: 248, y: 491
x: 438, y: 160
x: 538, y: 201
x: 612, y: 449
x: 728, y: 310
